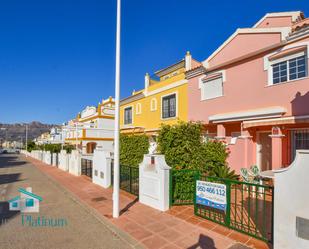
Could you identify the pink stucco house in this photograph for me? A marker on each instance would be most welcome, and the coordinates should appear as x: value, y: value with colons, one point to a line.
x: 253, y: 92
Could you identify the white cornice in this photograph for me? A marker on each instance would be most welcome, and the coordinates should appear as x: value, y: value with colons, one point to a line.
x: 165, y: 88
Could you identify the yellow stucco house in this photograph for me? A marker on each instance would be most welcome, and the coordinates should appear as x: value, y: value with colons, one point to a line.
x: 163, y: 100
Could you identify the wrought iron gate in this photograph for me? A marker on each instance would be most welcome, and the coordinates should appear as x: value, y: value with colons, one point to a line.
x: 86, y: 167
x: 249, y: 208
x: 129, y: 179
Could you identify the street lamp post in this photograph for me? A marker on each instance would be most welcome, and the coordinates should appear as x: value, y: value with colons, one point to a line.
x: 76, y: 139
x: 117, y: 126
x: 26, y: 140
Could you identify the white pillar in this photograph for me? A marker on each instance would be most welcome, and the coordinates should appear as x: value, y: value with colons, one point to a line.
x: 154, y: 182
x: 101, y: 170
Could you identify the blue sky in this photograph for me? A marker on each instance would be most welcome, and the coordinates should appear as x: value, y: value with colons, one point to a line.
x: 58, y: 56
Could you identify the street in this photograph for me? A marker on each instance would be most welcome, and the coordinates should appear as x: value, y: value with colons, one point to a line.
x: 78, y: 228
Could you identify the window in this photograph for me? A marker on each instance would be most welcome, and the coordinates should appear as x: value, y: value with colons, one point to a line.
x: 128, y: 115
x: 138, y: 108
x: 212, y: 88
x: 15, y: 204
x: 169, y: 106
x: 289, y: 70
x: 153, y: 104
x: 300, y: 141
x: 166, y: 77
x: 29, y: 203
x: 297, y: 68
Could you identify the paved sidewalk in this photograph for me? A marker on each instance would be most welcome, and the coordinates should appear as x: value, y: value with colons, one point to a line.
x: 151, y: 228
x: 73, y: 225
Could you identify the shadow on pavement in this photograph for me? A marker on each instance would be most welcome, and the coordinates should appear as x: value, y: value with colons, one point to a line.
x: 127, y: 207
x: 5, y: 213
x: 10, y: 161
x: 9, y: 178
x: 204, y: 242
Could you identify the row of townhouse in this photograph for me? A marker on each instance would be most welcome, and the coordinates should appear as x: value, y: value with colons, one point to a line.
x: 252, y: 93
x: 54, y: 136
x: 92, y: 128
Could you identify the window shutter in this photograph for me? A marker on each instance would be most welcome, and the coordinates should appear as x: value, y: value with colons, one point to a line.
x: 212, y: 89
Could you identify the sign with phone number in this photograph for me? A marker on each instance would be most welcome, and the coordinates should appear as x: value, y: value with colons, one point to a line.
x: 211, y: 194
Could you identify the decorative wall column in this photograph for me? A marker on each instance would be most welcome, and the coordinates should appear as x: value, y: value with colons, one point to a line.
x: 276, y: 147
x: 247, y: 139
x: 220, y: 132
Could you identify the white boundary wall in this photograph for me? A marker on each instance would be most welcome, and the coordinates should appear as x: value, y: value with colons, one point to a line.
x: 292, y: 201
x: 63, y: 160
x: 54, y: 156
x: 75, y: 163
x: 101, y: 167
x: 47, y: 157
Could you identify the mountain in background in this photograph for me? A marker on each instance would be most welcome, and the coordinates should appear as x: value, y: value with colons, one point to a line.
x: 14, y: 132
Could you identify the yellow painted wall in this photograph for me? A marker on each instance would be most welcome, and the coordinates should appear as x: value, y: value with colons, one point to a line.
x: 152, y: 119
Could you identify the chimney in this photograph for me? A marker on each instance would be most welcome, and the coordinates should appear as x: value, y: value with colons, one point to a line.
x: 147, y: 80
x: 188, y: 60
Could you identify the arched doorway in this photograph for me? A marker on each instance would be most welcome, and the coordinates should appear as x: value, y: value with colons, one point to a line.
x: 91, y: 147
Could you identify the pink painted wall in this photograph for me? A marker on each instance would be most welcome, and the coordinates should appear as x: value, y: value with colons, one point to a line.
x: 246, y: 88
x: 282, y: 21
x: 241, y: 154
x: 243, y: 44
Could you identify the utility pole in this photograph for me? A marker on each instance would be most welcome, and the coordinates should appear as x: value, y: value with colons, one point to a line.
x: 117, y: 126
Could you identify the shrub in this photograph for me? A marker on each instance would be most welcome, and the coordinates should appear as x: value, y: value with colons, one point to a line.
x: 68, y: 148
x: 132, y: 149
x: 53, y: 148
x: 215, y: 154
x: 224, y: 172
x: 183, y: 148
x: 31, y: 146
x: 181, y: 144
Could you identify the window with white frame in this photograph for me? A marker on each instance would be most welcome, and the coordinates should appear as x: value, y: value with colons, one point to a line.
x: 211, y: 88
x: 153, y: 104
x: 128, y: 115
x: 290, y: 69
x: 138, y: 108
x: 169, y: 106
x: 299, y: 140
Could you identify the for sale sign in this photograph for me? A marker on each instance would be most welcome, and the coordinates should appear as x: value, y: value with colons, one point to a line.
x: 211, y: 194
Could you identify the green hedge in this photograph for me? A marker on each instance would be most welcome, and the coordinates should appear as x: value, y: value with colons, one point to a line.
x: 53, y: 148
x: 132, y: 149
x: 184, y: 148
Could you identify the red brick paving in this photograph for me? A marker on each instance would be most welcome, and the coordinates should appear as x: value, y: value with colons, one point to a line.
x: 177, y: 228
